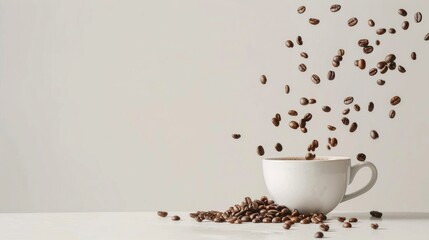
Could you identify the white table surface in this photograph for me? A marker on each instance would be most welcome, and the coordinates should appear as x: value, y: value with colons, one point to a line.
x: 147, y: 225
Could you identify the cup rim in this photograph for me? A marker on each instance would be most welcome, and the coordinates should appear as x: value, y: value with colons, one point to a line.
x: 302, y: 159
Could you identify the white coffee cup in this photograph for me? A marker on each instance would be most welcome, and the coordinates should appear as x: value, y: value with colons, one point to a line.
x: 313, y: 185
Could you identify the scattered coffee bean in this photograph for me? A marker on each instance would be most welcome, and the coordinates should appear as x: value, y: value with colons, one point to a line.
x: 286, y: 226
x: 307, y: 117
x: 363, y: 42
x: 326, y: 108
x: 341, y: 219
x: 413, y: 55
x: 401, y: 69
x: 341, y: 52
x: 376, y: 214
x: 335, y: 8
x: 347, y: 225
x: 356, y: 63
x: 418, y: 17
x: 390, y: 58
x: 361, y: 63
x: 305, y: 221
x: 331, y: 75
x: 392, y: 113
x: 335, y: 63
x: 328, y: 147
x: 384, y: 70
x: 368, y: 49
x: 302, y: 123
x: 287, y: 89
x: 162, y: 213
x: 289, y: 44
x: 373, y: 71
x: 402, y: 12
x: 357, y: 107
x: 312, y: 101
x: 310, y: 156
x: 236, y: 136
x: 348, y: 100
x: 260, y: 150
x: 275, y: 122
x: 353, y: 220
x: 381, y: 82
x: 304, y: 130
x: 304, y: 55
x: 346, y: 111
x: 374, y: 134
x: 292, y: 113
x: 381, y: 31
x: 175, y: 218
x: 263, y: 79
x: 333, y: 142
x: 293, y: 124
x: 426, y: 37
x: 392, y: 31
x: 302, y: 67
x: 381, y: 65
x: 279, y: 147
x: 315, y: 79
x: 303, y: 101
x: 361, y: 157
x: 278, y: 116
x: 377, y: 42
x: 392, y: 66
x: 371, y: 23
x: 324, y: 227
x: 299, y: 40
x: 405, y: 25
x: 315, y: 143
x: 353, y: 127
x: 318, y: 235
x: 352, y: 22
x: 345, y: 121
x: 314, y: 21
x: 301, y: 9
x: 395, y: 100
x: 374, y: 225
x: 276, y: 220
x: 331, y: 128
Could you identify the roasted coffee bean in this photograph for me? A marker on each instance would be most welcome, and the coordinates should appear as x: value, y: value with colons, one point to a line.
x: 392, y: 66
x: 279, y: 147
x: 356, y: 63
x: 335, y: 8
x: 292, y: 113
x: 299, y: 40
x: 392, y: 113
x: 198, y: 219
x: 337, y: 58
x: 357, y: 107
x: 376, y: 214
x: 353, y: 127
x: 304, y: 130
x: 331, y: 75
x: 263, y: 79
x: 305, y: 221
x: 373, y: 71
x: 328, y: 147
x: 361, y: 63
x: 395, y: 100
x: 301, y: 9
x: 286, y: 226
x: 361, y: 157
x: 333, y: 142
x: 390, y: 58
x: 276, y: 220
x: 219, y: 220
x: 363, y: 42
x: 341, y: 219
x: 312, y: 101
x: 293, y: 124
x: 335, y: 63
x: 381, y: 65
x: 315, y: 79
x: 347, y: 225
x: 309, y: 156
x: 193, y: 215
x: 341, y: 52
x: 314, y: 21
x: 348, y: 100
x: 331, y: 128
x: 371, y: 23
x: 402, y: 12
x: 324, y: 227
x: 381, y: 82
x: 368, y: 49
x: 303, y: 101
x: 238, y: 221
x: 260, y: 150
x: 353, y: 220
x: 401, y: 69
x: 318, y: 235
x: 236, y: 136
x: 304, y: 55
x: 278, y: 116
x: 418, y: 17
x: 405, y: 25
x: 352, y: 22
x: 287, y: 89
x: 426, y: 37
x: 267, y: 220
x: 346, y: 111
x: 326, y: 108
x: 392, y: 31
x: 256, y: 220
x: 373, y: 134
x: 413, y: 55
x: 289, y: 44
x: 384, y: 70
x: 275, y: 122
x: 302, y: 67
x: 381, y: 31
x: 377, y: 42
x: 315, y: 143
x: 175, y: 218
x: 345, y: 121
x: 302, y: 123
x: 307, y: 117
x: 162, y: 213
x: 374, y: 225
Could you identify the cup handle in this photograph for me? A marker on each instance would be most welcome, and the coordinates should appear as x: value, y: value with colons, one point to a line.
x: 353, y: 170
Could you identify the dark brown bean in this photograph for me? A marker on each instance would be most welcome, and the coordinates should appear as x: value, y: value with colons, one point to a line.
x: 198, y: 219
x: 353, y: 127
x: 345, y: 121
x: 418, y: 17
x: 175, y: 218
x: 307, y: 117
x: 289, y: 44
x: 333, y: 142
x: 312, y: 101
x: 341, y: 52
x: 402, y: 12
x: 293, y: 124
x: 373, y: 71
x: 401, y: 69
x: 260, y: 150
x: 287, y: 89
x: 346, y: 111
x: 302, y: 67
x: 392, y: 31
x: 370, y: 106
x: 278, y: 116
x: 263, y: 79
x: 384, y: 70
x: 314, y: 21
x: 275, y: 122
x: 310, y: 156
x: 392, y: 113
x: 374, y: 134
x: 353, y: 220
x: 395, y: 100
x: 348, y: 100
x: 405, y: 25
x: 413, y: 55
x: 357, y: 107
x: 324, y: 227
x: 315, y: 79
x: 381, y: 31
x: 390, y: 58
x: 371, y: 23
x: 326, y: 108
x: 361, y: 63
x: 315, y: 143
x: 303, y: 101
x: 376, y: 214
x: 162, y: 213
x: 374, y: 225
x: 304, y: 55
x: 335, y: 63
x: 236, y: 136
x: 302, y: 123
x: 301, y: 9
x: 335, y: 8
x: 278, y: 147
x: 276, y: 220
x: 363, y: 42
x: 304, y: 130
x: 392, y: 66
x: 305, y: 221
x: 331, y: 75
x: 361, y: 157
x: 318, y: 235
x: 299, y: 40
x: 381, y: 65
x: 377, y: 42
x: 356, y: 63
x: 426, y: 37
x: 352, y: 21
x: 286, y: 226
x: 347, y: 225
x: 381, y: 82
x: 341, y: 219
x: 328, y: 147
x: 292, y: 113
x: 238, y: 221
x: 368, y: 49
x: 331, y: 128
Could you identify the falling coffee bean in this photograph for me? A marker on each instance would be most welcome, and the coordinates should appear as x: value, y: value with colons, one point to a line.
x: 292, y: 113
x: 304, y: 130
x: 384, y: 70
x: 279, y: 147
x: 381, y: 65
x: 346, y: 111
x: 275, y: 122
x: 341, y: 52
x: 373, y: 71
x: 304, y: 55
x: 377, y: 42
x: 331, y: 128
x: 402, y: 12
x: 341, y: 219
x: 352, y: 22
x: 307, y: 117
x: 356, y: 63
x: 315, y: 79
x: 395, y: 100
x: 331, y: 75
x: 426, y: 37
x: 287, y: 89
x: 337, y: 58
x: 347, y: 225
x: 413, y: 55
x: 289, y: 44
x: 392, y: 66
x: 370, y: 106
x: 353, y: 220
x: 303, y: 101
x: 363, y: 42
x: 310, y: 156
x: 392, y: 31
x: 324, y: 227
x: 381, y: 82
x: 345, y: 121
x: 348, y: 100
x: 376, y: 214
x: 335, y: 8
x: 333, y: 142
x: 401, y: 69
x: 312, y: 101
x: 335, y: 63
x: 326, y: 108
x: 299, y: 40
x: 390, y: 58
x: 301, y: 9
x: 175, y: 218
x: 236, y: 136
x: 278, y: 116
x: 353, y: 127
x: 374, y: 134
x: 405, y: 25
x: 374, y: 225
x: 368, y: 49
x: 293, y: 124
x: 418, y: 17
x: 371, y: 23
x: 392, y: 113
x: 263, y: 79
x: 162, y: 213
x: 381, y: 31
x: 361, y: 63
x: 318, y: 235
x: 302, y: 67
x: 314, y: 21
x: 302, y: 123
x: 260, y: 150
x: 361, y: 157
x: 357, y: 107
x: 328, y: 147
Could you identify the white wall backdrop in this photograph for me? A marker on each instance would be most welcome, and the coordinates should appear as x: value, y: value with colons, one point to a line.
x: 130, y: 105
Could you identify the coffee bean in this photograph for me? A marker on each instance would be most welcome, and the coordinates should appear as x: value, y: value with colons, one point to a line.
x: 374, y: 225
x: 341, y: 219
x: 307, y: 117
x: 318, y: 235
x: 353, y: 220
x: 256, y: 220
x: 381, y: 65
x: 293, y: 124
x: 236, y: 136
x: 331, y: 128
x: 356, y: 63
x: 368, y: 49
x: 401, y: 69
x: 381, y: 31
x: 276, y: 220
x: 331, y: 75
x: 286, y: 226
x: 370, y: 106
x: 361, y: 157
x: 357, y: 107
x: 302, y: 123
x: 278, y: 116
x: 402, y: 12
x: 353, y: 127
x: 301, y: 9
x: 304, y: 55
x: 345, y: 121
x: 314, y: 21
x: 305, y: 221
x: 292, y: 113
x: 326, y: 108
x: 346, y: 111
x: 162, y: 213
x: 335, y: 8
x: 371, y: 23
x: 333, y: 142
x: 175, y: 218
x: 315, y: 143
x: 341, y: 52
x: 260, y: 150
x: 413, y: 55
x: 363, y: 42
x: 361, y: 64
x: 299, y: 40
x: 310, y: 156
x: 377, y: 42
x: 392, y: 66
x: 335, y: 63
x: 373, y: 71
x: 418, y: 17
x: 302, y: 67
x: 374, y: 134
x: 287, y: 89
x: 312, y: 101
x: 289, y: 44
x: 352, y: 22
x: 315, y: 79
x: 198, y: 219
x: 348, y: 100
x: 405, y: 25
x: 275, y: 122
x: 426, y: 37
x: 392, y: 31
x: 304, y: 130
x: 219, y: 220
x: 376, y: 214
x: 392, y: 113
x: 347, y: 225
x: 324, y: 227
x: 395, y: 100
x: 279, y: 147
x: 328, y: 147
x: 238, y: 221
x: 384, y: 70
x: 263, y: 79
x: 381, y: 82
x: 390, y: 58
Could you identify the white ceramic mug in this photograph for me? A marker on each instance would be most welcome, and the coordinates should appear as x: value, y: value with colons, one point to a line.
x: 313, y: 185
